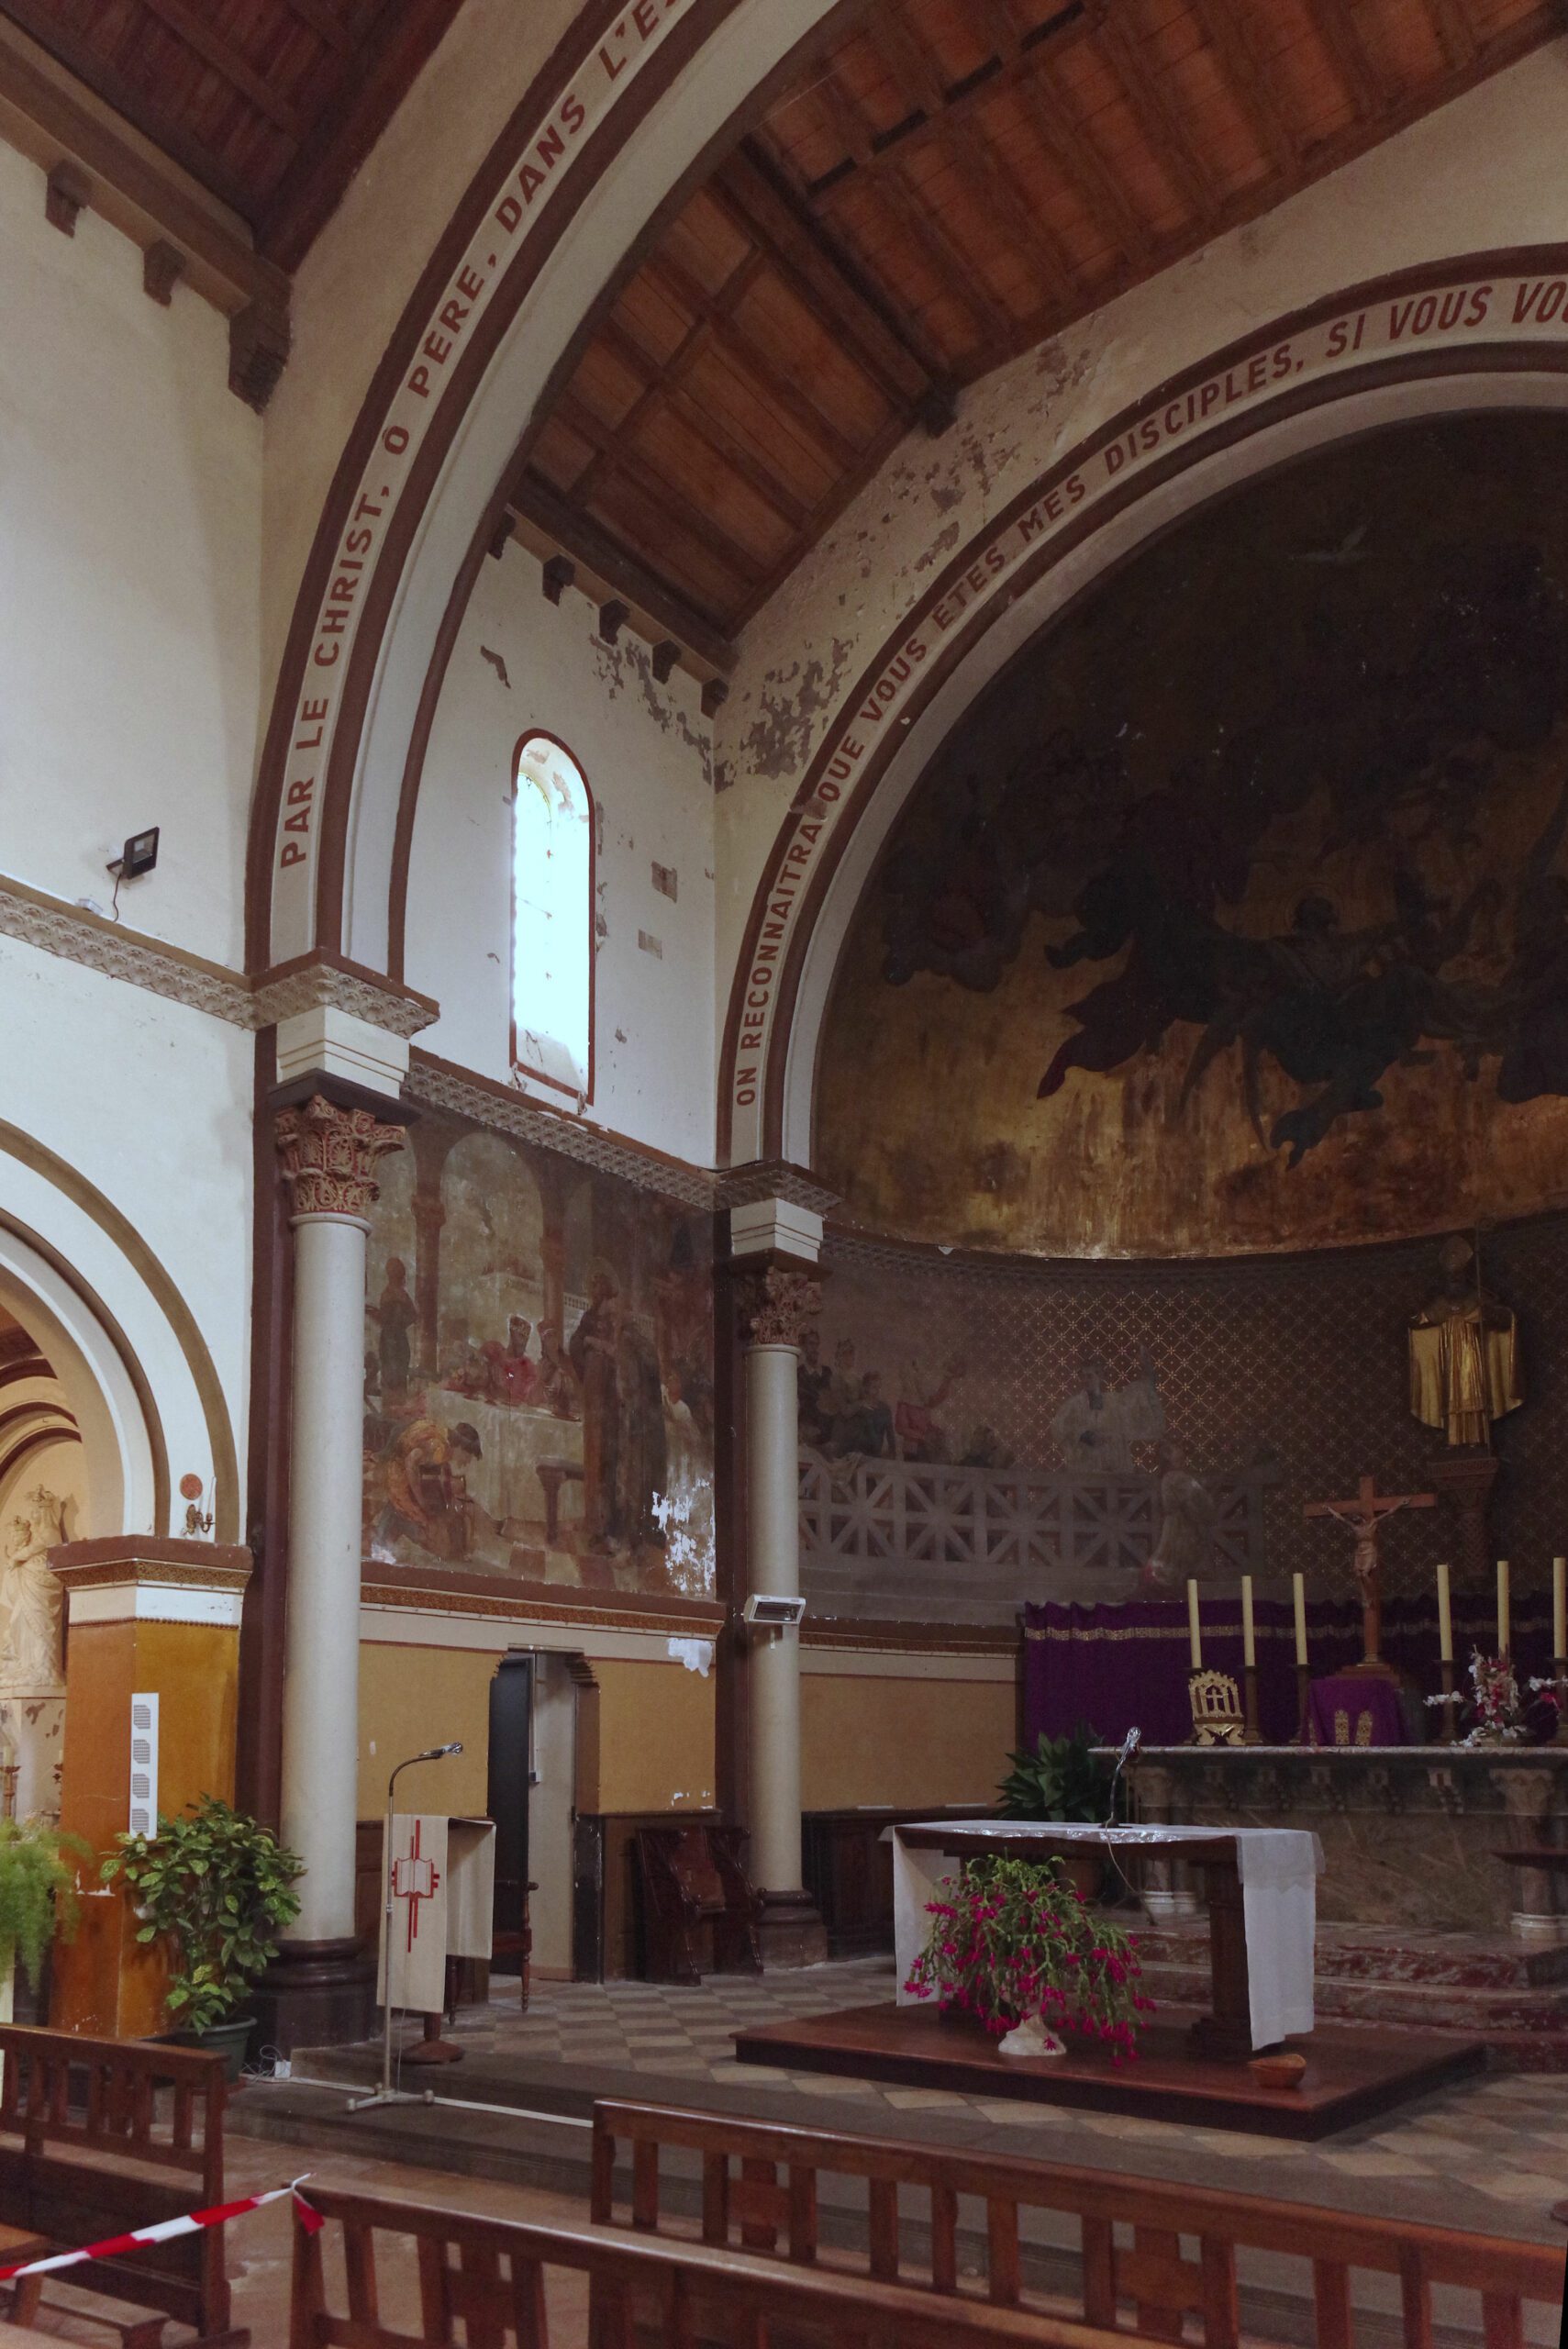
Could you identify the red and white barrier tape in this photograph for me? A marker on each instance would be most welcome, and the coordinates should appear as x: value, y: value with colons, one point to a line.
x: 112, y: 2246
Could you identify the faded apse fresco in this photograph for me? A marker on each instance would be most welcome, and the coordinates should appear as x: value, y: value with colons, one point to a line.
x: 1236, y: 916
x: 539, y: 1370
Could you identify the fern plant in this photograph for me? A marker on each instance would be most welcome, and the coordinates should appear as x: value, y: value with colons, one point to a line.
x: 218, y: 1887
x: 37, y: 1891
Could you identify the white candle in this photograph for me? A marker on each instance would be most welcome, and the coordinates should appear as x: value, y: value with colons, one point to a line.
x: 1249, y: 1641
x: 1299, y: 1585
x: 1445, y: 1616
x: 1194, y: 1627
x: 1560, y: 1606
x: 1502, y: 1606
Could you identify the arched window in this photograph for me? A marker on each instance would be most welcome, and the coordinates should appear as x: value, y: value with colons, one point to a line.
x: 552, y: 917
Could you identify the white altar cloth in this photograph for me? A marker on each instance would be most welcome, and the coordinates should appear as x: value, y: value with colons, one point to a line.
x: 1279, y: 1867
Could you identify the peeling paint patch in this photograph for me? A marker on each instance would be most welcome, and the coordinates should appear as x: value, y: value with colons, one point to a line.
x: 943, y: 543
x: 496, y: 663
x: 778, y: 742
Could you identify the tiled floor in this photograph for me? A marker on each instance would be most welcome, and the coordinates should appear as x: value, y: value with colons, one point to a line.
x: 1491, y: 2155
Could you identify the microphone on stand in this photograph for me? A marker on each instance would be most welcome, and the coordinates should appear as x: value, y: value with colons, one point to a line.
x: 1129, y: 1746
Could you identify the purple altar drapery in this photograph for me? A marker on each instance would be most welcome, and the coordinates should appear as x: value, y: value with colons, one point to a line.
x: 1118, y: 1667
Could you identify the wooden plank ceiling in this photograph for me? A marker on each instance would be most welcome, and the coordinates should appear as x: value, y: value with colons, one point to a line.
x: 272, y: 104
x: 953, y: 182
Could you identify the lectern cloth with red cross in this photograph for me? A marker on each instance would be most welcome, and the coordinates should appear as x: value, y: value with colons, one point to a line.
x: 417, y: 1935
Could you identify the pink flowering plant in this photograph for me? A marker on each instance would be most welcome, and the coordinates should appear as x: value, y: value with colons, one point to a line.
x: 1011, y: 1939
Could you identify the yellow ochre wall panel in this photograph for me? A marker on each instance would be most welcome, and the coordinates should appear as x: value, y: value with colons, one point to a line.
x: 411, y: 1697
x: 900, y: 1742
x: 656, y: 1736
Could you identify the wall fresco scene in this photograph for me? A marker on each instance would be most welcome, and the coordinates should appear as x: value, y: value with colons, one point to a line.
x: 538, y: 1371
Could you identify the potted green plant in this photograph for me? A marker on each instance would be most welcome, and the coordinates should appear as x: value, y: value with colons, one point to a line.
x: 38, y: 1897
x: 215, y: 1888
x: 1064, y: 1779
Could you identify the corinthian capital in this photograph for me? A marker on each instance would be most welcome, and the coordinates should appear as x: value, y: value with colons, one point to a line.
x: 330, y: 1154
x: 775, y: 1305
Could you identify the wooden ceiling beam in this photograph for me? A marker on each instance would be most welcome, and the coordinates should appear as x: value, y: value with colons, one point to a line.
x: 890, y: 149
x: 670, y: 387
x: 646, y: 479
x: 227, y: 58
x: 606, y: 562
x: 684, y: 290
x: 1159, y: 122
x: 1229, y: 34
x: 52, y: 116
x: 769, y: 213
x: 389, y: 52
x: 1337, y: 27
x: 1461, y: 42
x: 954, y: 269
x: 1072, y: 151
x: 325, y: 20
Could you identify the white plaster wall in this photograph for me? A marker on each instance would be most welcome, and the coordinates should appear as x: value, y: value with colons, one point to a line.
x: 351, y: 287
x: 1490, y: 170
x: 150, y: 1102
x: 646, y: 751
x: 130, y: 482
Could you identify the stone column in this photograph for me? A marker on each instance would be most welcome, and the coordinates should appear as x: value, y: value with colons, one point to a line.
x: 329, y: 1158
x: 775, y: 1304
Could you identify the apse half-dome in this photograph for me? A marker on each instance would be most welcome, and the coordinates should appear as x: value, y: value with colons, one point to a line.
x: 1235, y: 916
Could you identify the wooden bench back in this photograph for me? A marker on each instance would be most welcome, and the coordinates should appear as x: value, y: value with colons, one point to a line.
x: 760, y: 2187
x: 490, y: 2275
x: 99, y: 2136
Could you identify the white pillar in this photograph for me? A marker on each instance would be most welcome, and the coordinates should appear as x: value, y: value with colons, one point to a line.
x: 775, y: 1302
x: 328, y: 1156
x: 774, y: 1522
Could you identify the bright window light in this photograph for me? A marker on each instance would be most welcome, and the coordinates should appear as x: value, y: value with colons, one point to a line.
x: 552, y: 919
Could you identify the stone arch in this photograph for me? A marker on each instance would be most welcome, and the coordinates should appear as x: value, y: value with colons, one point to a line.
x: 133, y: 1370
x: 1136, y: 477
x: 543, y: 229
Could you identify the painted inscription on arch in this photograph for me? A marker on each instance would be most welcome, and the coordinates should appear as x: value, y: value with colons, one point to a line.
x: 1403, y: 318
x: 533, y: 182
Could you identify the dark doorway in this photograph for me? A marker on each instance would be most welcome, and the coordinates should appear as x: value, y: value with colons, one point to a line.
x: 511, y: 1747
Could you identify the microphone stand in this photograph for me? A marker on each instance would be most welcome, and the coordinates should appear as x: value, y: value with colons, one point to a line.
x: 386, y: 2093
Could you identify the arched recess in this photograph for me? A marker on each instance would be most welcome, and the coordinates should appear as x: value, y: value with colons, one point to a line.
x: 545, y: 225
x: 1030, y: 565
x: 134, y: 1369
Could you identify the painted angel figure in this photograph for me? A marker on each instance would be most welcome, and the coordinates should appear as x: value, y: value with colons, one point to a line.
x: 31, y: 1596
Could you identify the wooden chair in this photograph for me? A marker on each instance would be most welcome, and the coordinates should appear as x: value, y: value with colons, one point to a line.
x: 490, y: 2276
x: 100, y: 2136
x: 694, y: 1888
x: 760, y: 2188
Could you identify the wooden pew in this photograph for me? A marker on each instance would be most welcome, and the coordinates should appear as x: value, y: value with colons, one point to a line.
x: 99, y: 2136
x: 492, y: 2274
x: 760, y: 2188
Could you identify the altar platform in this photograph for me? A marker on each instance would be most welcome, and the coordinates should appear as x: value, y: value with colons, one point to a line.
x: 1352, y: 2076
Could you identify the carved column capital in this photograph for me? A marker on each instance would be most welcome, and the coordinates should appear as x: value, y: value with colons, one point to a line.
x: 328, y: 1157
x: 774, y: 1304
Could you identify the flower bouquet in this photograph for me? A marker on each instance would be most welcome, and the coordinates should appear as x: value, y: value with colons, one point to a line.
x: 1012, y: 1944
x: 1495, y: 1701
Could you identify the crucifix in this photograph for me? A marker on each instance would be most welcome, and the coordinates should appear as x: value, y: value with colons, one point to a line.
x: 1364, y: 1516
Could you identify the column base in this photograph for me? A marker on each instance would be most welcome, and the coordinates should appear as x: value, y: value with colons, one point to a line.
x: 790, y: 1933
x: 315, y: 1994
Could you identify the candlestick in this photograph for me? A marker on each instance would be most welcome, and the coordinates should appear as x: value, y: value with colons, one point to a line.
x: 1445, y: 1616
x: 1560, y: 1606
x: 1447, y: 1709
x: 1248, y: 1638
x: 1251, y: 1734
x: 1303, y: 1698
x: 1194, y: 1627
x: 1299, y: 1586
x: 1503, y: 1627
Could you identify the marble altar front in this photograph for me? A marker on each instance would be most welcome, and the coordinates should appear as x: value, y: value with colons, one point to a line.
x: 1411, y: 1834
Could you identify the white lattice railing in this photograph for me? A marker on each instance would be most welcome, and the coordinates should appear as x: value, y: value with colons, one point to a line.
x: 982, y: 1540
